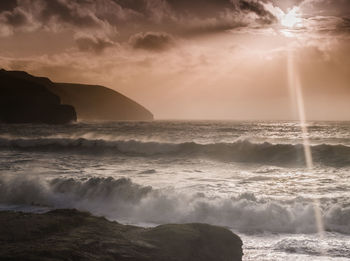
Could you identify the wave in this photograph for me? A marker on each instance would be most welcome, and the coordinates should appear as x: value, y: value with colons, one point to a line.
x: 338, y: 250
x: 123, y: 200
x: 239, y: 151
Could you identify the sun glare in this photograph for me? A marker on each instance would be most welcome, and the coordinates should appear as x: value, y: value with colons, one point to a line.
x: 292, y: 18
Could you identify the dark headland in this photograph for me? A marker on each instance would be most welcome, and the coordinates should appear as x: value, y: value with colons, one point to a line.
x: 25, y: 101
x: 25, y: 98
x: 74, y: 235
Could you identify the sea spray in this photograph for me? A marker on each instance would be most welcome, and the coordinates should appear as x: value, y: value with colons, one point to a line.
x: 124, y: 200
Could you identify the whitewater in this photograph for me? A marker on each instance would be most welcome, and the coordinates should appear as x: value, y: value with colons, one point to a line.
x: 247, y: 176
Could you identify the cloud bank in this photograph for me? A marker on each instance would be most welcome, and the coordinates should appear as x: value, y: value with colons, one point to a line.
x: 184, y: 58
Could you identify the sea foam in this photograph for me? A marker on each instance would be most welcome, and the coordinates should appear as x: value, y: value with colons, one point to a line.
x: 124, y: 200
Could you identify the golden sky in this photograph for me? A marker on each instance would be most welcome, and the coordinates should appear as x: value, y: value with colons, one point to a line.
x: 198, y: 59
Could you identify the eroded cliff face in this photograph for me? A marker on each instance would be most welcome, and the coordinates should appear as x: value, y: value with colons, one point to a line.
x: 25, y: 101
x: 73, y: 235
x: 92, y: 102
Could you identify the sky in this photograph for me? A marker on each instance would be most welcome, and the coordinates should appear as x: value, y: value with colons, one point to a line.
x: 190, y: 59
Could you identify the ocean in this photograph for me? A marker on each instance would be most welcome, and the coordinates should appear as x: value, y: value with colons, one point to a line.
x: 247, y: 176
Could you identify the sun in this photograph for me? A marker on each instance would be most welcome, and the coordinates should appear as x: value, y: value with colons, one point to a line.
x: 292, y: 18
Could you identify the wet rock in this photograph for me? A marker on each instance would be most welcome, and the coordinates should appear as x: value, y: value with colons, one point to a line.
x: 74, y: 235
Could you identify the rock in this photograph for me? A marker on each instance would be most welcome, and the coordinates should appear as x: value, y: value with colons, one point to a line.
x: 74, y: 235
x: 24, y: 101
x: 93, y: 102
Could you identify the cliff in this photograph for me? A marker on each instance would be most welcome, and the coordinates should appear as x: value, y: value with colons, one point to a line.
x: 25, y: 101
x: 92, y: 102
x: 73, y: 235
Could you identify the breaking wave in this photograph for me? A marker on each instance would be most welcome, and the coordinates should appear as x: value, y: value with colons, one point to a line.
x: 239, y: 151
x: 123, y: 200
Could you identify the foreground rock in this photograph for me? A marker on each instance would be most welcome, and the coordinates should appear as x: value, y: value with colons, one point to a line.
x: 73, y: 235
x: 24, y: 101
x: 92, y: 102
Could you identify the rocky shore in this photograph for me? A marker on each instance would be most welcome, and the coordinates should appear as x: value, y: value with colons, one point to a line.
x: 73, y: 235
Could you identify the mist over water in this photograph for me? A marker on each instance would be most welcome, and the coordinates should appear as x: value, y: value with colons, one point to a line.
x: 248, y: 176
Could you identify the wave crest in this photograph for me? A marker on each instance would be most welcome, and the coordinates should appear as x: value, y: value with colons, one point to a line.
x: 239, y: 151
x: 123, y: 200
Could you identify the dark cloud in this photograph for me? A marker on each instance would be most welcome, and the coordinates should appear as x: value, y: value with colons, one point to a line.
x: 137, y: 5
x: 258, y: 8
x: 215, y: 27
x: 90, y: 43
x: 184, y: 17
x: 327, y: 17
x: 70, y: 12
x: 7, y: 5
x: 344, y: 25
x: 200, y: 8
x: 328, y: 25
x: 128, y: 17
x: 340, y: 8
x: 152, y: 41
x: 120, y: 19
x: 16, y: 18
x: 54, y: 15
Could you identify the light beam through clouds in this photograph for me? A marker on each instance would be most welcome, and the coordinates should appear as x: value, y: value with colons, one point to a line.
x: 152, y: 50
x: 296, y: 91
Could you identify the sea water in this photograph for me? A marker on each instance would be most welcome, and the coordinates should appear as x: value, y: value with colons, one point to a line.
x: 247, y: 176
